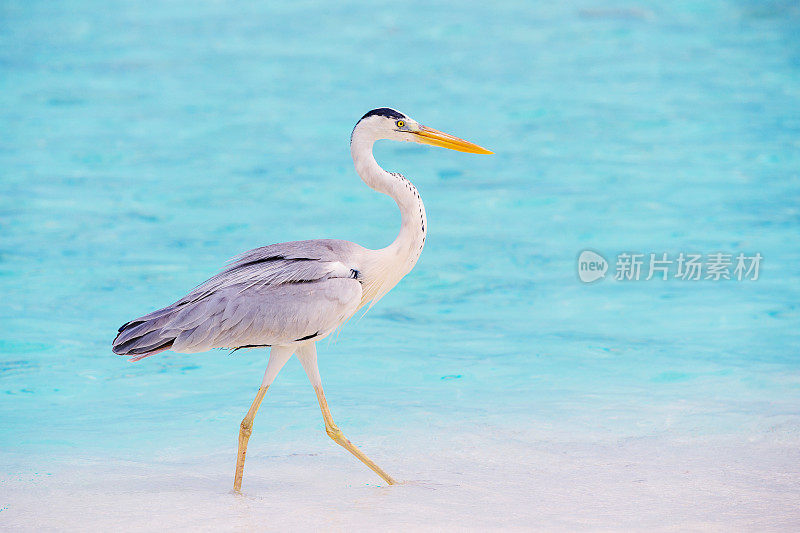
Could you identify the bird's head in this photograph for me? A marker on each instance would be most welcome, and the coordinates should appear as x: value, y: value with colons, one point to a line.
x: 387, y: 123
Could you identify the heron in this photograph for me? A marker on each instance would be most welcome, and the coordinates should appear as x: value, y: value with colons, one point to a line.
x: 288, y: 296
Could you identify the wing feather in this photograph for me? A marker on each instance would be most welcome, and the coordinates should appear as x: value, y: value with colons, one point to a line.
x: 277, y: 294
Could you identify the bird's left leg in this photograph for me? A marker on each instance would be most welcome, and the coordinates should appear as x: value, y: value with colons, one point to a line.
x: 308, y: 358
x: 277, y: 358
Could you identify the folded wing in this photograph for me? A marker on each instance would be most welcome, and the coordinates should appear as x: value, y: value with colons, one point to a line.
x: 274, y: 295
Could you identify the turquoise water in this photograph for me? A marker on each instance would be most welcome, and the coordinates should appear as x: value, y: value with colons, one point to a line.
x: 143, y: 146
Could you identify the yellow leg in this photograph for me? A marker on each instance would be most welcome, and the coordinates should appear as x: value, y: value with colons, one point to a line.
x: 336, y: 434
x: 245, y: 429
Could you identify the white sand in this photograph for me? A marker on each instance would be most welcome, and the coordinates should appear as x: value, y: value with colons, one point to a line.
x: 481, y: 480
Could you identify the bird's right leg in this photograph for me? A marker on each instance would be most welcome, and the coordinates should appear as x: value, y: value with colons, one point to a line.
x: 277, y: 358
x: 308, y: 358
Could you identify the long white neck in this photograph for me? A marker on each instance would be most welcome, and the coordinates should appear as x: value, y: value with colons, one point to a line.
x: 397, y: 259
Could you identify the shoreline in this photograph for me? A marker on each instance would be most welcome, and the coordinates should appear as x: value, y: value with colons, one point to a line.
x: 466, y: 481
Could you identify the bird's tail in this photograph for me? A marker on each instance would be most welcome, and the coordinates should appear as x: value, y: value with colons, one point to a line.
x: 145, y: 336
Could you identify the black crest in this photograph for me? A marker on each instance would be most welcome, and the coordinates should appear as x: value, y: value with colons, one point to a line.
x: 384, y: 112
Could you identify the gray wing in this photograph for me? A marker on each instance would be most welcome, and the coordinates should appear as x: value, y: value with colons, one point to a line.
x: 277, y: 294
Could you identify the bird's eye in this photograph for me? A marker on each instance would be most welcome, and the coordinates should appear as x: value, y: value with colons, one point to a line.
x: 400, y: 123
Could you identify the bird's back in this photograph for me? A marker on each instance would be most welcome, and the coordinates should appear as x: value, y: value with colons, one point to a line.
x: 274, y: 295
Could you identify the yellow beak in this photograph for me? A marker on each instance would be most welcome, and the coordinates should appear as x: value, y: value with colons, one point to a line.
x: 434, y: 137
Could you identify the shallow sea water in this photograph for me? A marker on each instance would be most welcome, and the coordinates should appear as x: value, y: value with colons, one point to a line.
x: 142, y: 146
